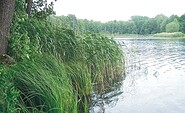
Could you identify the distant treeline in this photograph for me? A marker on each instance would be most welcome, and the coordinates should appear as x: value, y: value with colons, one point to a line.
x: 136, y: 25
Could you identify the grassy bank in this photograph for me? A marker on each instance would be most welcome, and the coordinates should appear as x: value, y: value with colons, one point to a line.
x: 165, y: 34
x: 55, y: 68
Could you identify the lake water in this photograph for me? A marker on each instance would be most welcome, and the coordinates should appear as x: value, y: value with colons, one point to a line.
x: 155, y: 78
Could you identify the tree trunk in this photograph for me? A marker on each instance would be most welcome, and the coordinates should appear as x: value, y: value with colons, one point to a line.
x: 6, y: 14
x: 29, y: 5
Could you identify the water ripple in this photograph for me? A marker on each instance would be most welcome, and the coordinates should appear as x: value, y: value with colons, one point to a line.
x: 155, y: 70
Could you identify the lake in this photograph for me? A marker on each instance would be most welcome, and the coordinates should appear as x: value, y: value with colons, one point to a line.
x: 155, y: 78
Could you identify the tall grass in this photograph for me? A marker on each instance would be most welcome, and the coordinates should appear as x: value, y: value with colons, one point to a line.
x: 57, y: 69
x: 103, y: 56
x: 45, y: 86
x: 80, y: 77
x: 81, y: 81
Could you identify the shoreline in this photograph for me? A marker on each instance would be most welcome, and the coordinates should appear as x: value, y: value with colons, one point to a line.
x: 163, y: 34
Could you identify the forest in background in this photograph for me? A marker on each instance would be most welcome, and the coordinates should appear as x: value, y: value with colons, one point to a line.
x: 136, y: 25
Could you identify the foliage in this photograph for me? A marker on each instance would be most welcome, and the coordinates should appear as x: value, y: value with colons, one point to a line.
x: 20, y: 44
x: 182, y: 23
x: 39, y: 36
x: 173, y: 26
x: 139, y: 20
x: 149, y: 27
x: 41, y: 9
x: 137, y: 25
x: 160, y: 21
x: 9, y: 93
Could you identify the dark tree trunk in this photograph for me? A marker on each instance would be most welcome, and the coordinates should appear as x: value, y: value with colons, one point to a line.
x: 29, y: 5
x: 6, y: 14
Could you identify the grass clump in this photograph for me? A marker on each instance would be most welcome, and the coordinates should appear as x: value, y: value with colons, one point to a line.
x: 45, y: 86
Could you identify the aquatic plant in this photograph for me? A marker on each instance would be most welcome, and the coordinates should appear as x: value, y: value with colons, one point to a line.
x: 103, y: 57
x: 48, y: 54
x: 44, y: 86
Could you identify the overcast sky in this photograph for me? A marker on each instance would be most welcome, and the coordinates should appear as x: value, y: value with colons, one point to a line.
x: 107, y: 10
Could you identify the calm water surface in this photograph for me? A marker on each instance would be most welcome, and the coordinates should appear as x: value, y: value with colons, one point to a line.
x: 155, y: 78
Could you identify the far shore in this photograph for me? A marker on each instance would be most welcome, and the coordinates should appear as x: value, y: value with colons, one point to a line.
x: 163, y: 34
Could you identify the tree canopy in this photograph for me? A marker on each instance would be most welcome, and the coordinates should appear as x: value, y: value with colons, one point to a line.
x: 173, y: 26
x: 136, y: 25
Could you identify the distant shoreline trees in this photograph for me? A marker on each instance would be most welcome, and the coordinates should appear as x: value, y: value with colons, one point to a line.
x: 137, y: 25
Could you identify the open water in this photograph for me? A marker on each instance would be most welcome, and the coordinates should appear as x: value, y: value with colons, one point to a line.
x: 155, y: 78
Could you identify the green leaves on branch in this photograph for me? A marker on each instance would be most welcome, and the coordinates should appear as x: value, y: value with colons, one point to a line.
x: 42, y: 9
x: 39, y: 9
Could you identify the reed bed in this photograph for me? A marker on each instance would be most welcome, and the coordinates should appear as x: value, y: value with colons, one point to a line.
x: 103, y: 56
x: 45, y: 86
x: 56, y: 69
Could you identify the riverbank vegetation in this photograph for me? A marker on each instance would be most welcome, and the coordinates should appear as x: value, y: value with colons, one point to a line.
x: 140, y: 25
x: 166, y: 34
x: 51, y: 64
x: 51, y: 69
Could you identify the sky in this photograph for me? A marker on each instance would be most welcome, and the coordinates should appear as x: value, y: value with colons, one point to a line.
x: 108, y: 10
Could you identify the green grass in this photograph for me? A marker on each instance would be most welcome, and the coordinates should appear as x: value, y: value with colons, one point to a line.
x: 8, y: 92
x: 103, y: 56
x: 45, y: 86
x: 82, y: 85
x: 56, y: 68
x: 165, y: 34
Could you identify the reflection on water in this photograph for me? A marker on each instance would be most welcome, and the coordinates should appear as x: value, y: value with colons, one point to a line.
x: 155, y: 78
x: 106, y: 94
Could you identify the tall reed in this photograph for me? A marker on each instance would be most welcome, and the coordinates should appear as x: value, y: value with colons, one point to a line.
x: 81, y: 80
x: 103, y: 56
x: 45, y: 86
x: 56, y: 68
